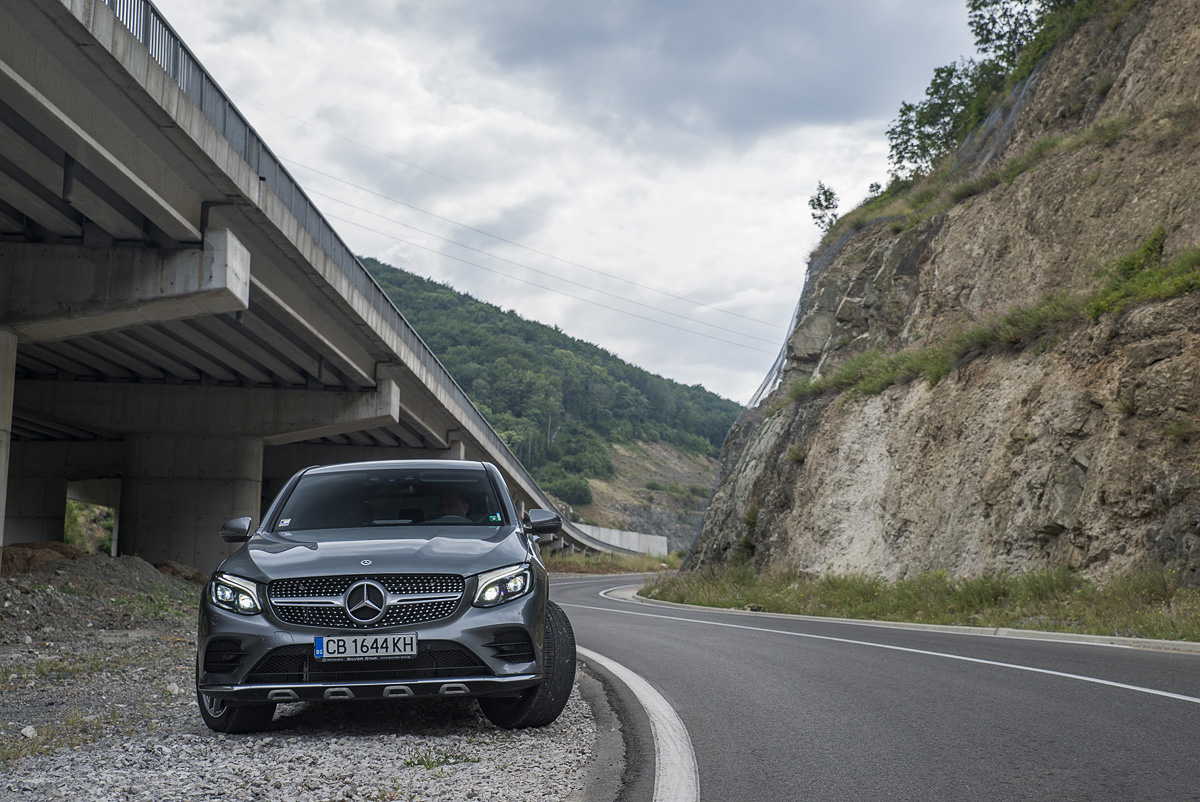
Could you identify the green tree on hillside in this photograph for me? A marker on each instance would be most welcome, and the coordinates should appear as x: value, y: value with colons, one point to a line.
x: 960, y: 94
x: 1002, y: 28
x: 926, y: 131
x: 557, y: 402
x: 824, y: 203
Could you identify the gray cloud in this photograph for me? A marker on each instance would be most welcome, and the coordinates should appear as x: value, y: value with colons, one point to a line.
x: 641, y: 69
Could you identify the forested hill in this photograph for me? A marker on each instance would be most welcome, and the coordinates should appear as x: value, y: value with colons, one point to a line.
x: 558, y: 402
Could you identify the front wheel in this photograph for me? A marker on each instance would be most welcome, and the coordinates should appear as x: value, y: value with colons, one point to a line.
x: 542, y: 704
x: 222, y: 717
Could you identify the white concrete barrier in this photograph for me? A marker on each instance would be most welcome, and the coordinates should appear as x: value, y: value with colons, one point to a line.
x: 630, y: 541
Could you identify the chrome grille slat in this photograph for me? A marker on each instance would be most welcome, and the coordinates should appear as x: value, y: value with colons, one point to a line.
x: 411, y: 599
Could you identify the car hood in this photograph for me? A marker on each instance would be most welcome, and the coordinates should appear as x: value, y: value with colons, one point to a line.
x: 407, y: 550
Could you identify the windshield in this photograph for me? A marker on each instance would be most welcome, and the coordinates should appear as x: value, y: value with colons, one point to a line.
x: 390, y: 498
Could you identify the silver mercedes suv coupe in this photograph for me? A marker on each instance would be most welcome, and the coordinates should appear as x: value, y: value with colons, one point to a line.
x: 385, y: 580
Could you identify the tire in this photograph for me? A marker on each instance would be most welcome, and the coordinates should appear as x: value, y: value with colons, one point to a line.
x: 542, y: 704
x: 222, y: 717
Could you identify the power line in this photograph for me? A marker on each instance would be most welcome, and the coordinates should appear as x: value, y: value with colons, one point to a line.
x: 550, y: 289
x: 448, y: 179
x: 526, y: 247
x: 541, y: 272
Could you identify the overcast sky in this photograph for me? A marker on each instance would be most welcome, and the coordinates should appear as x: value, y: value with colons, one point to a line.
x: 636, y: 172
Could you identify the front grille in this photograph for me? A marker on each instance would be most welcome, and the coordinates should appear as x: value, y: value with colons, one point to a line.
x: 336, y: 617
x: 395, y: 583
x: 332, y: 613
x: 435, y: 659
x: 512, y: 646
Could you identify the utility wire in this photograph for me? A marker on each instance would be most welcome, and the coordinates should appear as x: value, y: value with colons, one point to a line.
x: 526, y: 247
x: 550, y: 289
x: 505, y: 201
x: 541, y: 272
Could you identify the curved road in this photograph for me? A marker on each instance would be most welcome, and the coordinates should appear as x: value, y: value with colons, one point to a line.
x: 783, y: 707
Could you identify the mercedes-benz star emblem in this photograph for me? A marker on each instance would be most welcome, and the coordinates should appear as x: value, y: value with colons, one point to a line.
x: 366, y: 601
x: 365, y: 562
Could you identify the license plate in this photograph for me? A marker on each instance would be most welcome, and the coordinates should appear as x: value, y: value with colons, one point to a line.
x: 365, y: 647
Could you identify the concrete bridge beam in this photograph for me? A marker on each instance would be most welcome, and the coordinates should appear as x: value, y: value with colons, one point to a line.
x: 37, y: 494
x: 280, y: 462
x: 277, y: 416
x: 53, y: 292
x: 305, y: 415
x: 192, y: 456
x: 8, y: 372
x: 177, y: 490
x: 41, y: 478
x: 457, y: 448
x: 41, y: 84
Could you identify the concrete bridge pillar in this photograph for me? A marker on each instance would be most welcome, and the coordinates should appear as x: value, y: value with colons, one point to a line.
x: 37, y: 493
x: 457, y: 448
x: 8, y: 373
x: 177, y: 490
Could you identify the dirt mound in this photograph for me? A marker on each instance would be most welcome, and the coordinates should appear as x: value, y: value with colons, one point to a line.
x: 62, y: 593
x: 21, y: 558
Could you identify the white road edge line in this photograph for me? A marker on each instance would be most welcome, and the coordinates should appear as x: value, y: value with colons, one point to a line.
x: 676, y: 778
x: 944, y: 655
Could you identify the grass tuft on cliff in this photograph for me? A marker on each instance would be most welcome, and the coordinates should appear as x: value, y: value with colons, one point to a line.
x: 1139, y: 277
x: 1149, y: 604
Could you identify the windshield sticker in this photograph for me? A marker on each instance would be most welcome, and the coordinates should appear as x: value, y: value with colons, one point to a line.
x: 285, y: 521
x: 494, y: 517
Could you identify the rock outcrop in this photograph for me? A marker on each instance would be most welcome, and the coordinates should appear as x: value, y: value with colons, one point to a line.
x: 1080, y: 452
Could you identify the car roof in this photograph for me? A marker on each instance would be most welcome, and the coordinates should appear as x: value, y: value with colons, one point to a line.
x: 400, y: 464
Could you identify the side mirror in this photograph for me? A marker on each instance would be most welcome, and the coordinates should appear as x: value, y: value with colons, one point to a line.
x: 236, y: 530
x: 543, y: 522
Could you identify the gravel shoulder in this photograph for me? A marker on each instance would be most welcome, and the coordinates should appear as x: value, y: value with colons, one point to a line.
x: 97, y: 687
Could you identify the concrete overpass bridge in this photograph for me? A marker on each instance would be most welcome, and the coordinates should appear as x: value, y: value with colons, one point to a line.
x: 180, y: 328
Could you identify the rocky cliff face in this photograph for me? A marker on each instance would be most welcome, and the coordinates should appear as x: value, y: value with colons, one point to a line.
x: 1080, y: 453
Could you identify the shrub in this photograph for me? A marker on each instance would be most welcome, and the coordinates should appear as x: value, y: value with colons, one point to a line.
x: 1182, y: 429
x: 743, y: 552
x: 978, y: 186
x: 1141, y: 276
x: 1127, y: 405
x: 571, y: 489
x: 750, y: 519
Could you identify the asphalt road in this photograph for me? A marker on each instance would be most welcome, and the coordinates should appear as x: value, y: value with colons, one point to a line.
x: 789, y: 708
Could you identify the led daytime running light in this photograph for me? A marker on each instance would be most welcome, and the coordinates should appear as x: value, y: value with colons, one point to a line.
x: 503, y: 585
x: 235, y: 594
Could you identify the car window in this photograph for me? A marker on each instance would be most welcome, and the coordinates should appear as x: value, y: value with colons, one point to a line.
x: 390, y: 498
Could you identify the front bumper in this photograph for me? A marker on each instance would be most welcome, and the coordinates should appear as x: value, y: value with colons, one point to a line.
x: 313, y: 692
x: 474, y: 652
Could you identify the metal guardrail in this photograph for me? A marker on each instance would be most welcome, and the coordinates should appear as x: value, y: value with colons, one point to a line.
x: 166, y: 47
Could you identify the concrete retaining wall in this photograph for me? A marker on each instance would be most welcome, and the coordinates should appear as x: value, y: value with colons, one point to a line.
x: 630, y: 541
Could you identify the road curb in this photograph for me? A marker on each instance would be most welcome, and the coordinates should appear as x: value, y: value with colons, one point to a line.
x: 606, y: 768
x: 629, y: 593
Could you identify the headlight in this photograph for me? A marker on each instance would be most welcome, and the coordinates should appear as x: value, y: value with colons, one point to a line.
x: 503, y: 585
x: 234, y: 594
